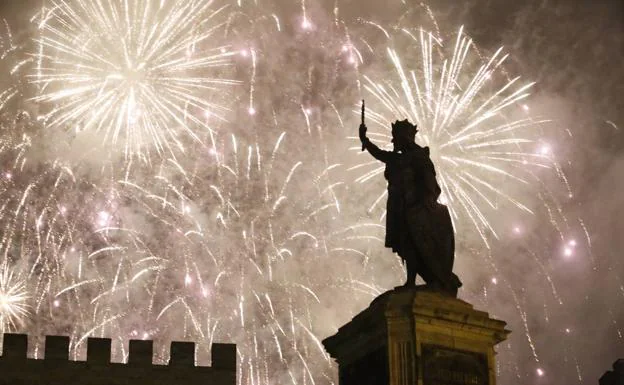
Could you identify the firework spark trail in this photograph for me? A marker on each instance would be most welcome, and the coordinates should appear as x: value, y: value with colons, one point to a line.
x: 259, y: 263
x: 14, y: 307
x: 134, y: 72
x: 489, y: 151
x: 106, y: 246
x: 473, y: 143
x: 239, y: 228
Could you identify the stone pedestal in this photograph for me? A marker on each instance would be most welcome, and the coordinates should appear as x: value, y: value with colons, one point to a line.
x: 417, y: 337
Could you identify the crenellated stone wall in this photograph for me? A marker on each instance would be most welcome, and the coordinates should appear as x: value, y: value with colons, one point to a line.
x: 55, y: 368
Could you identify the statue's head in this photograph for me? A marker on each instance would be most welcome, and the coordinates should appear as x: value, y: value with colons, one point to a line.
x: 403, y: 133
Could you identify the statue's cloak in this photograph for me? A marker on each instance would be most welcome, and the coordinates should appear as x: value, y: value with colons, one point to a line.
x: 417, y: 226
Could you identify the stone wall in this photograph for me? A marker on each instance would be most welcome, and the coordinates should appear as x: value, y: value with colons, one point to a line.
x: 55, y: 368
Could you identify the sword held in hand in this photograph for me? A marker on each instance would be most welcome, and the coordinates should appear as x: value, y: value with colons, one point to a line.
x: 363, y: 110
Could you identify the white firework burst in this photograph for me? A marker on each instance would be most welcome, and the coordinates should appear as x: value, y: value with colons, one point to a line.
x: 14, y: 297
x: 483, y: 142
x: 137, y: 72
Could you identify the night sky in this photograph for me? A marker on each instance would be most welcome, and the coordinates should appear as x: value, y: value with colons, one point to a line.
x: 574, y: 51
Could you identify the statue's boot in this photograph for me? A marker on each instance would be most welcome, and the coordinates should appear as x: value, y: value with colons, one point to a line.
x: 411, y: 276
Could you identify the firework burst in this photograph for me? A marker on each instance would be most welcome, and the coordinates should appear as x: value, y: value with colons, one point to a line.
x: 248, y: 235
x: 135, y: 72
x: 221, y: 246
x: 14, y: 308
x: 496, y: 166
x: 484, y: 144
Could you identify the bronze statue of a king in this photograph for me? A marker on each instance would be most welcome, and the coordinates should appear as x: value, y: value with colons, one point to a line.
x: 418, y: 228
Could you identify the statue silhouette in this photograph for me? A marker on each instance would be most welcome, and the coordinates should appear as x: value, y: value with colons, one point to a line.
x: 418, y: 228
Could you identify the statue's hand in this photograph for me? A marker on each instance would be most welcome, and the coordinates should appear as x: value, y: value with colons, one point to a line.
x: 362, y: 132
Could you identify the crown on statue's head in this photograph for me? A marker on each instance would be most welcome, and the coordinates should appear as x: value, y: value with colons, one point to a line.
x: 403, y: 128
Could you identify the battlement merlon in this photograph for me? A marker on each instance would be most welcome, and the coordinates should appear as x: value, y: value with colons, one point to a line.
x: 56, y: 348
x: 141, y: 352
x: 98, y: 350
x: 182, y: 354
x: 224, y: 356
x: 15, y: 346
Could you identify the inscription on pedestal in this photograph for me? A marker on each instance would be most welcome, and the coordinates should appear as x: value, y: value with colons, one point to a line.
x: 444, y: 366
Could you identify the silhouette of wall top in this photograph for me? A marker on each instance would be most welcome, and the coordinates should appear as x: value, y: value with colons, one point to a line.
x: 56, y: 368
x: 615, y: 376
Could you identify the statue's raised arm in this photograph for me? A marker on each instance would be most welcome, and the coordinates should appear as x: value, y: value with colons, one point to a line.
x: 379, y: 154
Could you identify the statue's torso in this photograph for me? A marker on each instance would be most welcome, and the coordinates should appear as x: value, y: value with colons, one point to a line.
x: 411, y: 183
x: 411, y: 178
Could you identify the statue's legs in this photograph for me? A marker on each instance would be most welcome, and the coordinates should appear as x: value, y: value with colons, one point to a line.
x: 411, y: 274
x: 415, y: 265
x: 431, y: 244
x: 434, y: 283
x: 425, y: 272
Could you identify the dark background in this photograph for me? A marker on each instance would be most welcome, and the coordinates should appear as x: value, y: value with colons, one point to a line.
x: 574, y: 49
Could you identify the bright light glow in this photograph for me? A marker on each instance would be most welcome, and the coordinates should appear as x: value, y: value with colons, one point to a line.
x: 455, y: 107
x: 270, y: 204
x: 103, y: 218
x: 138, y: 69
x: 14, y: 308
x: 545, y: 149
